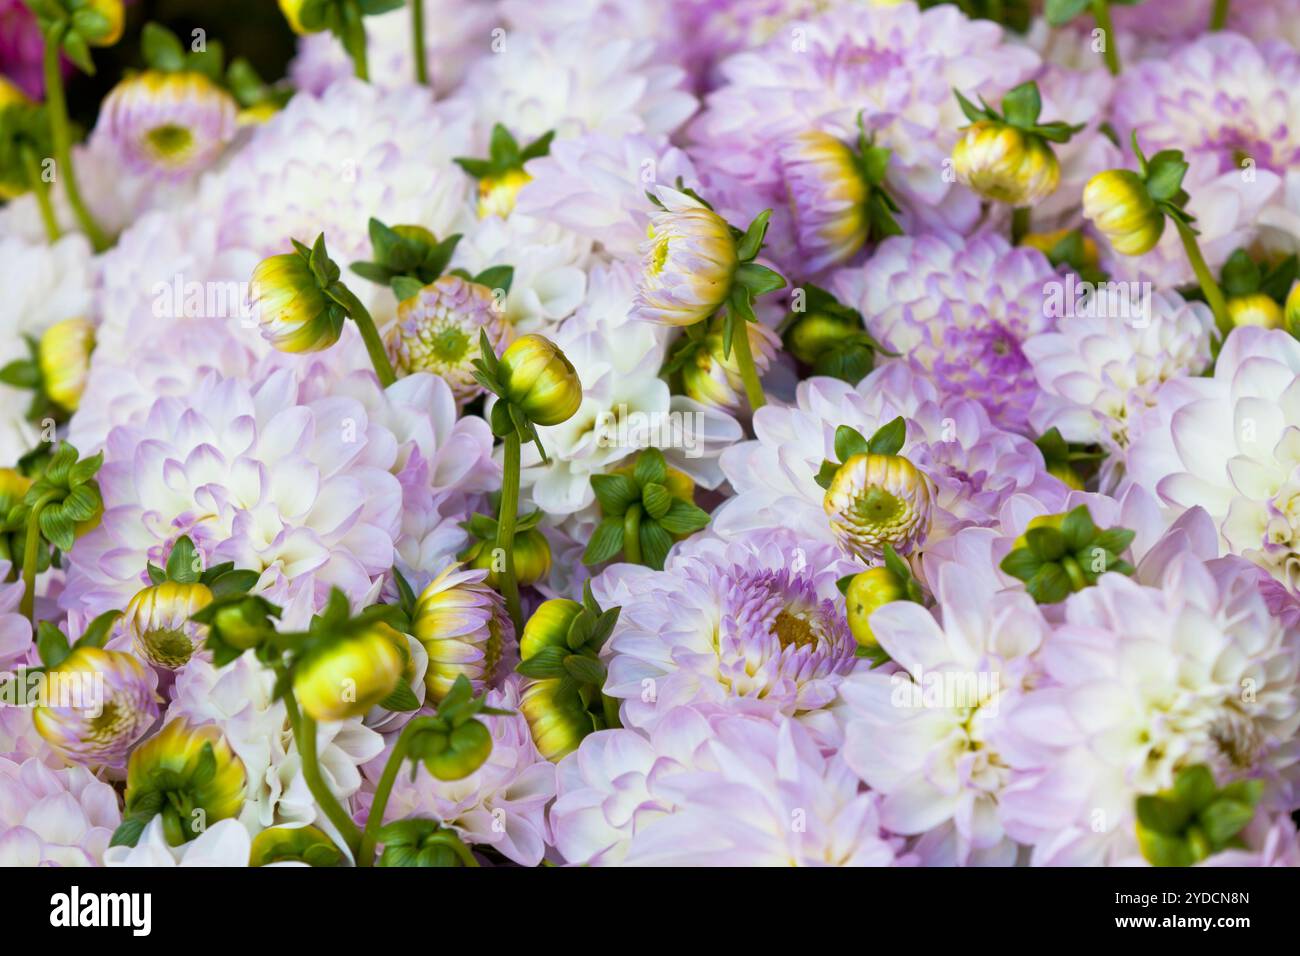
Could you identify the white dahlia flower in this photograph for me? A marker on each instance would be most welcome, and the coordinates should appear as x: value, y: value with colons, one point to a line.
x: 54, y: 817
x: 225, y: 843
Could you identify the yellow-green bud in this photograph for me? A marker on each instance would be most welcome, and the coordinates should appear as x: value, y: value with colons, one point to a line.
x: 1065, y: 473
x: 1292, y: 311
x: 537, y: 377
x: 556, y: 730
x: 115, y: 13
x: 158, y: 620
x: 300, y: 844
x: 292, y: 10
x: 1258, y: 309
x: 64, y: 355
x: 549, y: 626
x: 464, y: 750
x: 1045, y: 242
x: 346, y: 677
x: 293, y: 311
x: 815, y: 333
x: 873, y: 588
x: 1118, y: 203
x: 532, y: 554
x: 178, y: 748
x: 497, y: 194
x: 1006, y: 164
x: 875, y: 500
x: 1042, y: 521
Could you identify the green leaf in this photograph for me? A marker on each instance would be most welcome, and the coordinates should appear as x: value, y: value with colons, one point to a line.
x: 650, y: 467
x: 759, y: 280
x: 404, y: 287
x: 1194, y: 787
x: 656, y: 499
x: 1061, y: 12
x: 849, y: 442
x: 51, y: 644
x: 78, y: 51
x: 1241, y: 275
x: 503, y: 149
x: 234, y: 582
x: 497, y: 277
x: 538, y: 147
x: 752, y: 241
x: 889, y: 438
x: 401, y: 700
x: 606, y: 541
x: 1078, y: 529
x: 972, y: 112
x: 184, y: 565
x: 478, y: 168
x: 684, y: 518
x: 616, y: 493
x: 1114, y: 540
x: 1047, y: 544
x: 97, y: 631
x: 826, y: 474
x: 57, y: 527
x: 1161, y: 849
x: 162, y: 49
x: 1022, y: 105
x: 546, y: 664
x: 21, y: 373
x: 156, y: 574
x: 1163, y: 815
x: 1021, y: 564
x: 130, y: 830
x: 1165, y: 173
x: 1050, y: 585
x: 585, y: 670
x: 83, y: 502
x: 82, y: 471
x: 655, y: 544
x: 1224, y: 819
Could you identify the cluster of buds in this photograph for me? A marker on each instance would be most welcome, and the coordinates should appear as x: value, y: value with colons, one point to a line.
x: 1005, y: 156
x: 453, y: 743
x: 560, y: 653
x: 187, y: 775
x: 1195, y: 819
x: 837, y: 195
x: 829, y: 337
x: 1256, y: 296
x: 874, y: 496
x: 502, y: 175
x: 1059, y: 554
x: 532, y: 552
x: 645, y: 506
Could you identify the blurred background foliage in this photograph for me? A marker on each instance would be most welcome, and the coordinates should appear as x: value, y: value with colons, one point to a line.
x: 254, y: 29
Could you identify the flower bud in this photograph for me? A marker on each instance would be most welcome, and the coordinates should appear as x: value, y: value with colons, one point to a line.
x: 828, y: 197
x: 294, y: 313
x: 114, y: 12
x: 196, y: 791
x: 816, y: 333
x: 437, y: 331
x: 688, y: 263
x: 1292, y: 311
x: 458, y: 753
x: 242, y: 624
x: 158, y: 620
x: 64, y: 355
x: 548, y: 626
x: 463, y: 625
x: 292, y: 10
x: 307, y: 844
x: 1005, y: 164
x: 715, y: 381
x: 1118, y: 203
x: 99, y: 703
x: 175, y: 124
x: 875, y: 500
x: 557, y: 729
x: 532, y: 554
x: 1046, y: 242
x: 538, y: 378
x: 497, y: 194
x: 1258, y: 309
x: 873, y: 588
x: 347, y: 676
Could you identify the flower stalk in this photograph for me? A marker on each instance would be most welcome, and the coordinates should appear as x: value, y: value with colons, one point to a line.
x: 304, y: 733
x: 41, y: 190
x: 61, y: 137
x: 1213, y: 294
x: 1101, y: 14
x: 417, y: 42
x: 506, y: 520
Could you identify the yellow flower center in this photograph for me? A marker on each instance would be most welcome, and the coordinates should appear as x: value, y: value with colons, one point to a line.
x: 878, y: 506
x: 169, y: 140
x: 659, y: 256
x: 791, y: 628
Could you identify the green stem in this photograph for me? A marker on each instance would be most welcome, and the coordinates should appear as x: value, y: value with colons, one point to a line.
x: 748, y: 371
x: 417, y: 39
x: 61, y: 137
x: 1019, y: 224
x: 632, y: 534
x: 369, y: 334
x: 41, y: 189
x: 1219, y: 19
x: 1101, y: 13
x: 31, y: 556
x: 506, y: 518
x: 354, y: 39
x: 1213, y: 294
x: 375, y: 820
x: 304, y: 732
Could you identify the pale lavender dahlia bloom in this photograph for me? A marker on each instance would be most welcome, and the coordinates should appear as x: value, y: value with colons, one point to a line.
x: 1141, y: 683
x: 757, y: 627
x: 97, y: 706
x: 1230, y: 444
x: 895, y: 65
x: 972, y: 465
x: 924, y: 735
x: 959, y: 311
x: 300, y: 492
x: 168, y: 124
x: 54, y: 817
x: 501, y: 805
x: 15, y: 629
x: 731, y: 791
x: 1100, y: 374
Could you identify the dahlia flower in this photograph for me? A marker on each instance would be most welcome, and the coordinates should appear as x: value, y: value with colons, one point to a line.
x: 500, y: 805
x: 169, y: 124
x: 1142, y: 682
x: 225, y: 843
x: 54, y: 817
x: 925, y: 737
x: 688, y: 262
x: 158, y: 620
x: 237, y: 700
x: 715, y: 381
x: 1100, y: 374
x: 437, y: 331
x: 463, y: 626
x: 757, y: 628
x: 1227, y: 444
x: 100, y: 703
x: 828, y: 198
x: 733, y: 791
x: 960, y: 311
x: 972, y: 465
x: 15, y: 629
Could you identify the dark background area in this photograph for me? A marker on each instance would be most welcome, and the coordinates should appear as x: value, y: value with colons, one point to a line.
x: 254, y: 29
